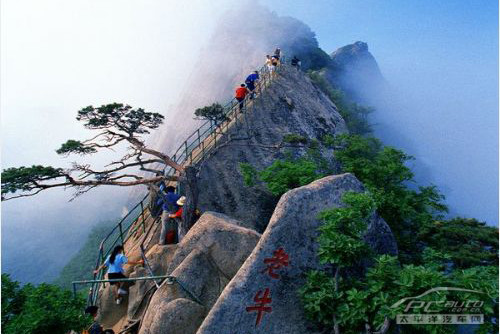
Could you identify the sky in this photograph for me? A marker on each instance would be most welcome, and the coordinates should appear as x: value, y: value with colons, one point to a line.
x: 58, y: 56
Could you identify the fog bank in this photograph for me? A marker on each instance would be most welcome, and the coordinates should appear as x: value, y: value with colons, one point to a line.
x: 59, y: 56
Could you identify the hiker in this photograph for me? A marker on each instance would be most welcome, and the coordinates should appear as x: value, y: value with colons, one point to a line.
x: 274, y: 63
x: 180, y: 203
x: 95, y: 328
x: 269, y: 64
x: 251, y: 81
x: 175, y: 219
x: 169, y: 205
x: 241, y: 93
x: 296, y: 63
x: 115, y: 262
x: 277, y: 53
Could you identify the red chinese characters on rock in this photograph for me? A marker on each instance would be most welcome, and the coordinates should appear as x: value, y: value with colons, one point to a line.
x: 278, y: 261
x: 261, y: 301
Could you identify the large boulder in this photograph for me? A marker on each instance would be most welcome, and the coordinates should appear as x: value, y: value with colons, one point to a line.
x: 178, y: 317
x: 226, y: 241
x: 205, y: 261
x: 276, y: 269
x: 159, y: 256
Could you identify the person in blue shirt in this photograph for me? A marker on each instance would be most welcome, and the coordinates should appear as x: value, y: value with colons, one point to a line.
x: 251, y: 82
x: 114, y: 262
x: 168, y: 201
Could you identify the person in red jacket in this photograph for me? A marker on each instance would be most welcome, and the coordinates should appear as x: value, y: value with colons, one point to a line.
x: 241, y: 93
x: 173, y: 235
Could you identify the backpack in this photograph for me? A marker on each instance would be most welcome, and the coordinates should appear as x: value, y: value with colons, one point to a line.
x: 154, y: 209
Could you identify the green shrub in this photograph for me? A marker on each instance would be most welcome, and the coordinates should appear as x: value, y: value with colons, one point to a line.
x: 249, y: 174
x: 40, y: 309
x: 447, y: 236
x: 354, y: 115
x: 284, y: 175
x: 351, y: 305
x: 314, y: 144
x: 328, y: 140
x: 384, y: 172
x: 294, y: 138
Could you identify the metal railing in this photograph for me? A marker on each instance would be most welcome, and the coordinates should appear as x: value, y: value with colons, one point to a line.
x: 170, y: 280
x: 192, y: 150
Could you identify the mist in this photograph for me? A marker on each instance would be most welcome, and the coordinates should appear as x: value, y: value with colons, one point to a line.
x: 449, y: 122
x: 57, y: 57
x: 440, y: 62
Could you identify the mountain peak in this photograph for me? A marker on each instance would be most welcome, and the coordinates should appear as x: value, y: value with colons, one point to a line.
x: 357, y: 48
x: 354, y: 69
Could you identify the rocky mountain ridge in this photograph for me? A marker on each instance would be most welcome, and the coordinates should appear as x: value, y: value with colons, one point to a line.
x: 219, y: 265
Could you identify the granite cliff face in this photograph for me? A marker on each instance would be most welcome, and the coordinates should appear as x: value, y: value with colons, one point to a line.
x: 292, y: 105
x: 219, y: 264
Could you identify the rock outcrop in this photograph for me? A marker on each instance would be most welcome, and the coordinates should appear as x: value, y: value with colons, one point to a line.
x: 273, y: 273
x: 354, y: 69
x: 291, y: 105
x: 204, y: 262
x: 220, y: 69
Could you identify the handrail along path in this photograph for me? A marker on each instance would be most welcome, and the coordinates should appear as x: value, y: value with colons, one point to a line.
x: 197, y: 145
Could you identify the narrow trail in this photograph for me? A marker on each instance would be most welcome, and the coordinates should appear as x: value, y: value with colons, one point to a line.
x: 136, y: 230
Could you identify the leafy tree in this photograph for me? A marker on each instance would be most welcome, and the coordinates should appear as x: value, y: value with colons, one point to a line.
x: 214, y: 113
x: 116, y: 124
x: 383, y: 171
x: 40, y: 310
x: 370, y: 303
x: 468, y: 242
x: 328, y: 140
x: 12, y: 299
x: 294, y: 138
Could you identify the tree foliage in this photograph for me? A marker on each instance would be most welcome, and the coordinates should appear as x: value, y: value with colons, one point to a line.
x: 294, y: 138
x: 468, y: 242
x: 289, y: 173
x: 370, y: 303
x: 214, y: 112
x: 249, y: 173
x: 116, y: 124
x: 119, y: 117
x: 340, y: 240
x: 40, y: 309
x: 384, y: 172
